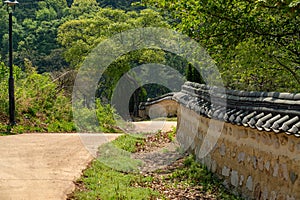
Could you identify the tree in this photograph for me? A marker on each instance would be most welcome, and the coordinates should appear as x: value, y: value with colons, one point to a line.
x: 255, y: 43
x: 80, y: 35
x: 35, y: 31
x: 120, y: 4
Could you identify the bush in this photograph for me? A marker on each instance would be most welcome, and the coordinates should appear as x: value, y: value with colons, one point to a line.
x: 40, y: 106
x: 104, y: 121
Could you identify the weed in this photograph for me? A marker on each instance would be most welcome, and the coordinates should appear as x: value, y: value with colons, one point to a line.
x: 129, y: 142
x: 193, y: 175
x: 102, y: 182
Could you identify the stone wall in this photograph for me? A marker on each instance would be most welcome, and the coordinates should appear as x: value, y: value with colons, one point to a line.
x: 258, y: 165
x: 163, y: 106
x: 257, y: 150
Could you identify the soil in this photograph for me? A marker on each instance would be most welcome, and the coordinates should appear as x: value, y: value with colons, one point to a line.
x: 161, y: 157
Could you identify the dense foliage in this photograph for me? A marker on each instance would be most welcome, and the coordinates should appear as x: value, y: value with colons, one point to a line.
x: 43, y: 107
x: 40, y: 106
x: 256, y: 44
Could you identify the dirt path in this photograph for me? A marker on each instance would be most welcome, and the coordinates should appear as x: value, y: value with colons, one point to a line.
x: 44, y: 166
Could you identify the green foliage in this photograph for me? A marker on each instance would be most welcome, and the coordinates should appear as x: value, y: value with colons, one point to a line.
x: 80, y: 35
x: 40, y: 107
x: 101, y: 182
x: 35, y: 26
x: 196, y: 175
x: 129, y: 142
x: 118, y: 159
x: 120, y: 4
x: 104, y: 121
x: 172, y: 134
x: 106, y: 117
x: 255, y: 44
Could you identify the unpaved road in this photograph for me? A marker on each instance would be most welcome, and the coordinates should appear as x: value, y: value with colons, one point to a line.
x: 44, y: 166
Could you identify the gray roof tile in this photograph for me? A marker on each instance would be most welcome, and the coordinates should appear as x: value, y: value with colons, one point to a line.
x: 268, y: 111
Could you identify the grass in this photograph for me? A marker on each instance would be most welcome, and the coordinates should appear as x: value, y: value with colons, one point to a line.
x: 168, y: 119
x: 118, y: 159
x: 192, y: 174
x: 7, y: 134
x: 117, y: 154
x: 102, y: 182
x: 114, y: 176
x: 8, y: 130
x: 129, y: 142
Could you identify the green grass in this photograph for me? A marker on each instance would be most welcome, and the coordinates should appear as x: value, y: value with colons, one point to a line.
x: 118, y: 159
x: 102, y: 182
x: 168, y: 119
x: 129, y: 142
x: 6, y: 134
x: 114, y: 175
x: 194, y: 174
x: 117, y: 154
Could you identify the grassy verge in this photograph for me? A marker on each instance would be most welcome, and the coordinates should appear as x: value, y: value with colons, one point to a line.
x: 102, y: 182
x: 184, y: 178
x: 189, y: 175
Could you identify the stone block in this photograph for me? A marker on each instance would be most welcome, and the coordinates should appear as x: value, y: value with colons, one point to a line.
x: 241, y: 180
x: 225, y: 171
x: 267, y: 165
x: 281, y: 196
x: 234, y: 179
x: 283, y: 140
x: 207, y: 161
x: 260, y: 164
x: 264, y: 194
x: 213, y: 166
x: 275, y: 171
x: 222, y: 149
x: 298, y: 147
x: 276, y: 143
x: 249, y: 183
x: 273, y: 195
x: 243, y: 134
x: 288, y: 197
x: 291, y: 145
x: 257, y: 191
x: 266, y: 139
x: 254, y: 162
x: 241, y: 157
x: 293, y: 177
x: 285, y: 172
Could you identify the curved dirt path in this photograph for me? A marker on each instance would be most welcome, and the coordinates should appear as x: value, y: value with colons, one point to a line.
x: 44, y: 166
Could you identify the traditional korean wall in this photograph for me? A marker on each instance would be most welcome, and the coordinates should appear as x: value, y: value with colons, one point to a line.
x: 256, y: 164
x: 257, y: 152
x: 163, y: 106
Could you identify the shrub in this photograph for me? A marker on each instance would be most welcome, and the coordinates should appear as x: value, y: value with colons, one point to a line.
x: 40, y: 106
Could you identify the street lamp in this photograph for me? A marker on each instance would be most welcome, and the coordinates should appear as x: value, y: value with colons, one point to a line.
x: 11, y: 90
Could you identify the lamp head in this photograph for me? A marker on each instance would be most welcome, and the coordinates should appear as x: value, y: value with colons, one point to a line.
x: 11, y: 3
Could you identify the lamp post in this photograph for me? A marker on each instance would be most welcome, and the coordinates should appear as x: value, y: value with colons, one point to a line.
x: 11, y: 90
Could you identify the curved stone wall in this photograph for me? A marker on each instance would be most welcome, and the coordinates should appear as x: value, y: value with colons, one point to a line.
x: 269, y: 111
x: 258, y: 150
x: 163, y: 106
